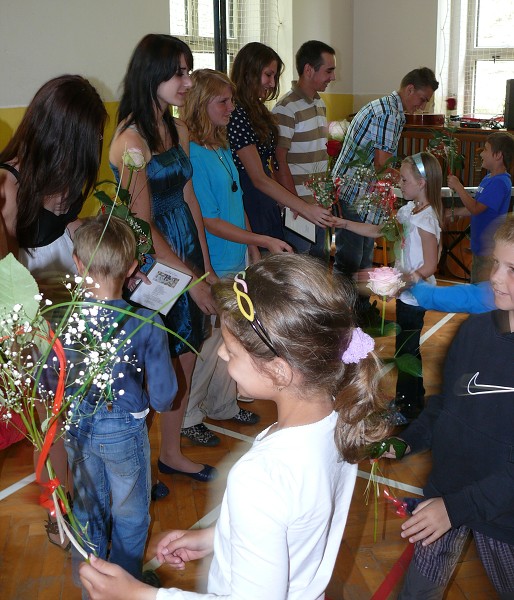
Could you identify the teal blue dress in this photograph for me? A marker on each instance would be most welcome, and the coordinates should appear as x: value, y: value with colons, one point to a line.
x: 167, y: 175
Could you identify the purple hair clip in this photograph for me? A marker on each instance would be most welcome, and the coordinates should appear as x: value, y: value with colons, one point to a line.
x: 359, y: 347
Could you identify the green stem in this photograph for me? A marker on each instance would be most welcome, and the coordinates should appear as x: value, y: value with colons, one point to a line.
x: 383, y: 315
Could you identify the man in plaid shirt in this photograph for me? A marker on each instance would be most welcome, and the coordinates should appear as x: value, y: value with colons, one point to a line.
x: 376, y: 128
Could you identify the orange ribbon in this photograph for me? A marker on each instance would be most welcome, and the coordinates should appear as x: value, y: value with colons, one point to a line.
x: 45, y: 498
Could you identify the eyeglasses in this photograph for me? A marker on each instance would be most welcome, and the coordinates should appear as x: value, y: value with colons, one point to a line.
x: 247, y: 309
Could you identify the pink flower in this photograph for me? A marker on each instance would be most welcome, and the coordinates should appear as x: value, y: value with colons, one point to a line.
x: 385, y: 281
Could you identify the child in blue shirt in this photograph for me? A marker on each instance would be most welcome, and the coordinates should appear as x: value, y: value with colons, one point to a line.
x: 107, y: 441
x: 491, y: 202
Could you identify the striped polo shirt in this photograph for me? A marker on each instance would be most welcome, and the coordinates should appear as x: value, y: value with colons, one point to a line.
x: 302, y: 127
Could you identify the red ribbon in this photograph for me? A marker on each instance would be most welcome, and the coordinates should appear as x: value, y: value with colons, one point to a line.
x: 395, y: 574
x: 49, y: 487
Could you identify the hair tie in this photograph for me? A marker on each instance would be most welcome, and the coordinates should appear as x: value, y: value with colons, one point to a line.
x: 418, y: 162
x: 359, y: 347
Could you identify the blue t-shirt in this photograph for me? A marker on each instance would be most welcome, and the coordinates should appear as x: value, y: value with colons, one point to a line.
x: 494, y: 192
x: 214, y: 174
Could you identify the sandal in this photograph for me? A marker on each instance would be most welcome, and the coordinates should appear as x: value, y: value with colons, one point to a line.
x: 53, y: 529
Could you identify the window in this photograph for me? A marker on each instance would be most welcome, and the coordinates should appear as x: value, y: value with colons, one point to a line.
x: 246, y: 20
x: 476, y: 54
x: 490, y: 56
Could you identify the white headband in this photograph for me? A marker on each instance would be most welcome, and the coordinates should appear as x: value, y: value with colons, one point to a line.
x: 418, y: 161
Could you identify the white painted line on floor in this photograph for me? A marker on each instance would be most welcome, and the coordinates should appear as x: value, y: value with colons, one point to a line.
x: 209, y: 518
x: 436, y: 327
x: 395, y: 484
x: 17, y: 486
x: 234, y: 434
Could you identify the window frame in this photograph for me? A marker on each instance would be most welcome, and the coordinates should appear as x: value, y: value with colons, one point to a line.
x: 475, y: 53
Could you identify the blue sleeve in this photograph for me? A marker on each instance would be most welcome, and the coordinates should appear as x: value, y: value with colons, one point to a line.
x: 161, y: 381
x: 496, y: 193
x: 465, y: 298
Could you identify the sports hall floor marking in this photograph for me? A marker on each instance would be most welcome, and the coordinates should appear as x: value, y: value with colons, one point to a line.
x: 211, y: 517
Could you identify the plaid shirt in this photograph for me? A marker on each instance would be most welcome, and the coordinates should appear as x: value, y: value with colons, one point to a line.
x: 378, y: 124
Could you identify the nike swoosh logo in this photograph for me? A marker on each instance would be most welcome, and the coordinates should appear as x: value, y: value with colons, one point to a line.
x: 474, y: 388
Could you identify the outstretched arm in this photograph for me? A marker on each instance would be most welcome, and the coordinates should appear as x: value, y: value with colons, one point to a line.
x: 252, y: 163
x: 364, y: 229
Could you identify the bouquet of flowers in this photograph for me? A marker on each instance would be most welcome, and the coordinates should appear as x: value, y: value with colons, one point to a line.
x: 325, y: 189
x: 117, y: 200
x: 37, y: 383
x: 444, y: 145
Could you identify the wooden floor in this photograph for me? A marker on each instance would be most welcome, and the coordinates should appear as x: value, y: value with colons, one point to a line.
x: 33, y: 569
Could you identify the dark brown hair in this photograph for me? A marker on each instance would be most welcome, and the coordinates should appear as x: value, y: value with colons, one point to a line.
x: 155, y: 59
x: 308, y: 315
x: 246, y: 74
x: 502, y: 141
x: 57, y: 148
x: 310, y: 53
x: 420, y: 78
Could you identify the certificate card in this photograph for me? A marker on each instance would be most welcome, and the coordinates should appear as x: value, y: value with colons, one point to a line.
x: 300, y: 225
x: 166, y: 286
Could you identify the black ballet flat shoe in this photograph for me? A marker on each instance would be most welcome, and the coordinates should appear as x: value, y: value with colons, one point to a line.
x: 208, y: 473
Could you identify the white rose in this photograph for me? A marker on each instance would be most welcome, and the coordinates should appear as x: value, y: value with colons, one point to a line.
x: 385, y: 281
x: 134, y: 159
x: 337, y: 129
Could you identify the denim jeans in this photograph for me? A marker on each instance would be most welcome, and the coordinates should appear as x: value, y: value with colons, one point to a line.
x: 109, y: 455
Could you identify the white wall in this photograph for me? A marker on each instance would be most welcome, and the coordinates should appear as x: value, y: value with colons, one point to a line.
x: 376, y: 41
x: 390, y: 38
x: 330, y: 21
x: 40, y: 39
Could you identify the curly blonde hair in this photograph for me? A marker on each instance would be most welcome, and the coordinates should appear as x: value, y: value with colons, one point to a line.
x: 207, y: 84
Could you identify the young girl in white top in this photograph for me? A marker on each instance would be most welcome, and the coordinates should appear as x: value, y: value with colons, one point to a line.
x: 289, y: 336
x: 421, y: 218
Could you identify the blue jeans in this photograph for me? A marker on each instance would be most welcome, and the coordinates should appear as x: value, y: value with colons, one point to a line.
x: 109, y: 455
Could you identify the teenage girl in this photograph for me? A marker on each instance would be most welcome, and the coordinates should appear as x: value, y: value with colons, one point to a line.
x: 421, y: 220
x: 289, y: 336
x: 253, y: 133
x: 157, y: 78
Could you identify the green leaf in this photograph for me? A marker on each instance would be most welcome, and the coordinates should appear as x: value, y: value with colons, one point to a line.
x: 18, y: 287
x: 103, y: 197
x: 407, y: 363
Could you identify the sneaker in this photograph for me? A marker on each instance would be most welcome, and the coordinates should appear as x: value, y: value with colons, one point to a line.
x: 200, y: 435
x: 244, y: 398
x: 245, y: 417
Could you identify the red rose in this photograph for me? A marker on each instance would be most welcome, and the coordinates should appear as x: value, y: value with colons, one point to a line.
x: 451, y: 103
x: 334, y: 147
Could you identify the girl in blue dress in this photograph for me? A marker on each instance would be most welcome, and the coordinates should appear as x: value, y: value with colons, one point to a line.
x: 158, y: 77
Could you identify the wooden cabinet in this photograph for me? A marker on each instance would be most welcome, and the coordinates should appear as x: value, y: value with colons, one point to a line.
x: 415, y: 139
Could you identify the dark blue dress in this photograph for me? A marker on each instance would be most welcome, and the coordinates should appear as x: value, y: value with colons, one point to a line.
x: 167, y: 175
